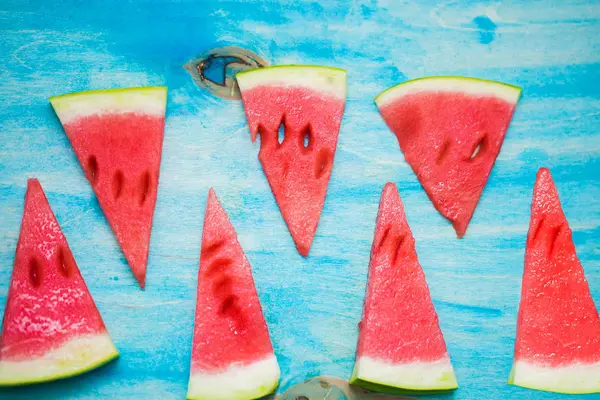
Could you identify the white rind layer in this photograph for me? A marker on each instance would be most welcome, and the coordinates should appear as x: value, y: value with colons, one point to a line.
x: 330, y: 81
x: 572, y: 379
x: 435, y: 375
x: 72, y: 358
x: 146, y: 100
x: 237, y: 382
x: 471, y: 86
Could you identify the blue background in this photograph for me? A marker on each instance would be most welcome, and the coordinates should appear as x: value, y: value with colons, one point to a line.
x: 550, y: 48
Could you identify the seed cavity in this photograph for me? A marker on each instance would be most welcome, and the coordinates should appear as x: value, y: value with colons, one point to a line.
x: 217, y: 266
x: 223, y: 285
x: 281, y: 132
x: 66, y: 262
x: 479, y: 148
x: 35, y: 272
x: 144, y: 187
x: 554, y: 238
x: 323, y: 164
x: 398, y: 247
x: 229, y: 304
x: 538, y: 228
x: 443, y: 152
x: 306, y: 138
x: 384, y: 237
x: 117, y: 184
x: 92, y: 169
x: 211, y: 249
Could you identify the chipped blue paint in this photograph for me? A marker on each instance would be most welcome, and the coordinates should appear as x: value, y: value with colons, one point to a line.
x: 550, y: 48
x: 487, y: 29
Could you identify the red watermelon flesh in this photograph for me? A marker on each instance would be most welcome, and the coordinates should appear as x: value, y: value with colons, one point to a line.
x: 450, y: 131
x: 558, y: 328
x: 51, y: 327
x: 117, y: 136
x: 308, y: 103
x: 400, y: 342
x: 232, y: 355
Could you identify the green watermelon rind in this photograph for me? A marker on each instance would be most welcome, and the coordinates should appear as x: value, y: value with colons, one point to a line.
x: 148, y: 98
x: 494, y: 87
x: 266, y: 371
x: 85, y: 366
x: 324, y: 79
x: 553, y: 385
x: 446, y: 383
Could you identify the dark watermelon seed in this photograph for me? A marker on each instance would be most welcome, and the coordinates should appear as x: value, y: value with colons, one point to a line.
x: 65, y: 262
x: 443, y: 151
x: 92, y: 169
x: 211, y: 249
x: 144, y: 187
x: 117, y: 184
x: 35, y: 272
x: 324, y: 159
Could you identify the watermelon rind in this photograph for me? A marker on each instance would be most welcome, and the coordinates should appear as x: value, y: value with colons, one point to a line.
x: 576, y: 378
x: 404, y: 378
x: 327, y: 80
x: 251, y: 381
x: 76, y: 356
x: 146, y: 100
x: 456, y: 84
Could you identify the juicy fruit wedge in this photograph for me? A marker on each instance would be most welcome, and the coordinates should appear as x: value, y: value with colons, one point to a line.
x: 51, y: 327
x: 232, y: 355
x: 117, y: 136
x: 450, y: 130
x: 558, y: 329
x: 307, y: 102
x: 400, y: 344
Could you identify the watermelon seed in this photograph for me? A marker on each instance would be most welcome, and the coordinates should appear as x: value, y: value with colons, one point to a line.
x: 479, y: 147
x: 223, y: 285
x: 212, y: 248
x: 144, y: 187
x: 443, y: 152
x: 117, y: 184
x: 301, y: 398
x: 92, y: 169
x: 324, y: 159
x: 65, y: 262
x: 217, y: 266
x: 35, y: 272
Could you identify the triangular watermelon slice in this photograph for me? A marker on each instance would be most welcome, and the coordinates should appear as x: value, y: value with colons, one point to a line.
x: 232, y: 355
x: 117, y: 136
x: 308, y: 103
x: 558, y: 328
x: 400, y: 343
x: 51, y: 327
x: 450, y: 130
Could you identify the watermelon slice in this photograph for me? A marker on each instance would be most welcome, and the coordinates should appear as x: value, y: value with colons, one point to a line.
x: 117, y: 136
x: 308, y: 103
x: 558, y: 328
x: 450, y: 130
x: 232, y: 355
x: 51, y: 327
x: 400, y: 344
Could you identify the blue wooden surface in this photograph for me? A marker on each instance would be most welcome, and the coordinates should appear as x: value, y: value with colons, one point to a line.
x: 550, y: 48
